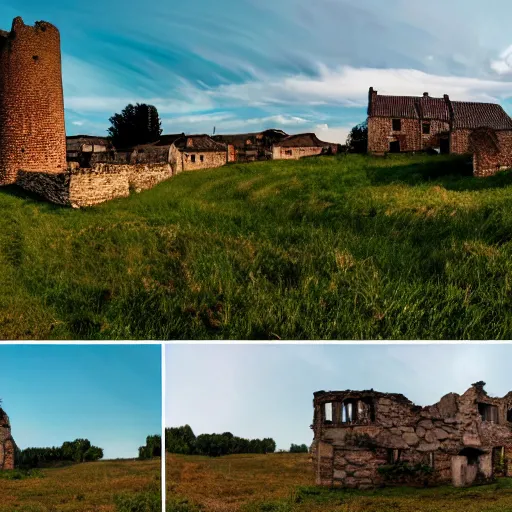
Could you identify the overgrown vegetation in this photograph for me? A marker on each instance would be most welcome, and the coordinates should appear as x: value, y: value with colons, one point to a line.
x: 285, y: 483
x: 79, y: 450
x: 182, y: 440
x: 347, y: 247
x: 21, y: 474
x: 149, y: 501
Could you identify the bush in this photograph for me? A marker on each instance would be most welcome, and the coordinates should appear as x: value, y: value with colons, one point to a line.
x: 152, y: 448
x: 149, y: 501
x: 180, y: 505
x: 21, y: 474
x: 298, y: 448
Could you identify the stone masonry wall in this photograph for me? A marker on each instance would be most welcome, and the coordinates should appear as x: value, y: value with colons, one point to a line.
x: 286, y: 153
x: 492, y: 153
x: 32, y: 130
x: 7, y: 446
x: 385, y: 429
x: 87, y: 187
x: 380, y: 134
x: 459, y: 142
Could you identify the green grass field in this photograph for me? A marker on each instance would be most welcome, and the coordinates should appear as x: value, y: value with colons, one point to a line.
x: 105, y: 486
x: 346, y: 247
x: 285, y: 483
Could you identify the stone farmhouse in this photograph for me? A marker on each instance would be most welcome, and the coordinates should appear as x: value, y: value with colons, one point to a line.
x: 302, y: 145
x: 421, y: 123
x: 250, y: 147
x: 7, y: 444
x: 362, y: 438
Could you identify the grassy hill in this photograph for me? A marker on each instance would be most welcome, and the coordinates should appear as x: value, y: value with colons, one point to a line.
x: 284, y: 483
x: 333, y: 247
x: 92, y: 486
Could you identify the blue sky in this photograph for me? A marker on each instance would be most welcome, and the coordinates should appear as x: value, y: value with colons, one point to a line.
x: 246, y: 65
x: 267, y: 390
x: 109, y: 394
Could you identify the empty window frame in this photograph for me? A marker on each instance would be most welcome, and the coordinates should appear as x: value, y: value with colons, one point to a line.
x: 193, y: 158
x: 288, y: 152
x: 509, y: 415
x: 201, y: 158
x: 348, y: 412
x: 394, y: 456
x: 488, y: 412
x: 328, y: 412
x: 426, y: 128
x: 397, y: 125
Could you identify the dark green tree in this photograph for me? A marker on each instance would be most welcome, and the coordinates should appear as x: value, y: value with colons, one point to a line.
x: 298, y: 448
x: 136, y: 124
x: 357, y: 140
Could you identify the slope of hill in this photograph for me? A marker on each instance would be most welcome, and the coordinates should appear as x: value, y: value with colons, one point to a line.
x: 83, y: 487
x: 284, y: 483
x: 333, y: 247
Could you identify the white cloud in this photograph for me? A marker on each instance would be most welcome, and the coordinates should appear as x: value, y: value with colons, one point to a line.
x: 335, y: 134
x: 77, y: 123
x: 503, y: 66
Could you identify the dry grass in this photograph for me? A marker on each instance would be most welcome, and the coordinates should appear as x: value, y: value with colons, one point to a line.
x: 285, y: 483
x: 80, y: 488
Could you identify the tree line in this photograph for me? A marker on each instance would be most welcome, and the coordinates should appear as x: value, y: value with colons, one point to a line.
x: 152, y: 448
x: 182, y: 440
x: 79, y: 450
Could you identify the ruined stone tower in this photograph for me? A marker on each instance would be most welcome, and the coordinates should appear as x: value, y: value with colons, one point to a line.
x: 32, y: 130
x: 7, y: 445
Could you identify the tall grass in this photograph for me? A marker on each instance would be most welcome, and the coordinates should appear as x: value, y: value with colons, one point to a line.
x: 334, y: 247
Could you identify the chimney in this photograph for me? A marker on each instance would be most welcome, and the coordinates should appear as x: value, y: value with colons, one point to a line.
x: 372, y: 94
x: 425, y: 94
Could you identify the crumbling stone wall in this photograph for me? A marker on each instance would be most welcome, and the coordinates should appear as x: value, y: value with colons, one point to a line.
x: 7, y: 445
x: 32, y: 130
x: 492, y: 151
x: 79, y: 187
x: 361, y: 438
x: 459, y: 141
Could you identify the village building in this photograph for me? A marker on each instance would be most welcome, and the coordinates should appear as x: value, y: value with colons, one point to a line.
x: 364, y: 439
x: 250, y: 147
x: 298, y: 146
x: 194, y: 152
x: 79, y: 148
x: 7, y: 444
x: 422, y: 123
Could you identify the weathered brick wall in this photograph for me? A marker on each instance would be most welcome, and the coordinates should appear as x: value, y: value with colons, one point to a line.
x: 380, y: 134
x: 32, y: 130
x: 349, y: 453
x: 7, y: 446
x: 492, y: 152
x: 87, y: 187
x: 437, y: 129
x: 459, y: 142
x: 286, y: 153
x: 231, y: 153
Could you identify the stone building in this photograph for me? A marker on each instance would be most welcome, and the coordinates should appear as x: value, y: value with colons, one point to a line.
x: 301, y: 145
x: 7, y: 444
x: 194, y: 152
x: 410, y: 123
x: 32, y: 130
x: 250, y: 147
x: 79, y: 148
x: 492, y: 151
x: 364, y: 439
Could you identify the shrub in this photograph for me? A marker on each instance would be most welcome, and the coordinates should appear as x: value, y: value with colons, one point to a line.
x: 149, y: 501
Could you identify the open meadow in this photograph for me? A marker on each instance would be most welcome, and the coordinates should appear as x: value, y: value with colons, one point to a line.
x: 103, y: 486
x: 285, y: 483
x: 346, y: 247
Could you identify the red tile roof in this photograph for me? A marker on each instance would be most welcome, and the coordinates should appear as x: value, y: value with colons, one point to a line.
x: 199, y: 143
x: 463, y: 115
x: 475, y: 115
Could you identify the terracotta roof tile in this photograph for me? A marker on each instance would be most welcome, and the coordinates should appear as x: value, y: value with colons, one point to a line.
x: 468, y: 115
x: 302, y: 140
x: 199, y: 143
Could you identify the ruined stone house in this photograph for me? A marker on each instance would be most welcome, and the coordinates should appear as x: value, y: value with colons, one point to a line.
x: 7, y: 444
x: 194, y: 152
x: 80, y: 148
x: 249, y: 147
x: 411, y: 123
x: 364, y: 439
x: 302, y: 145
